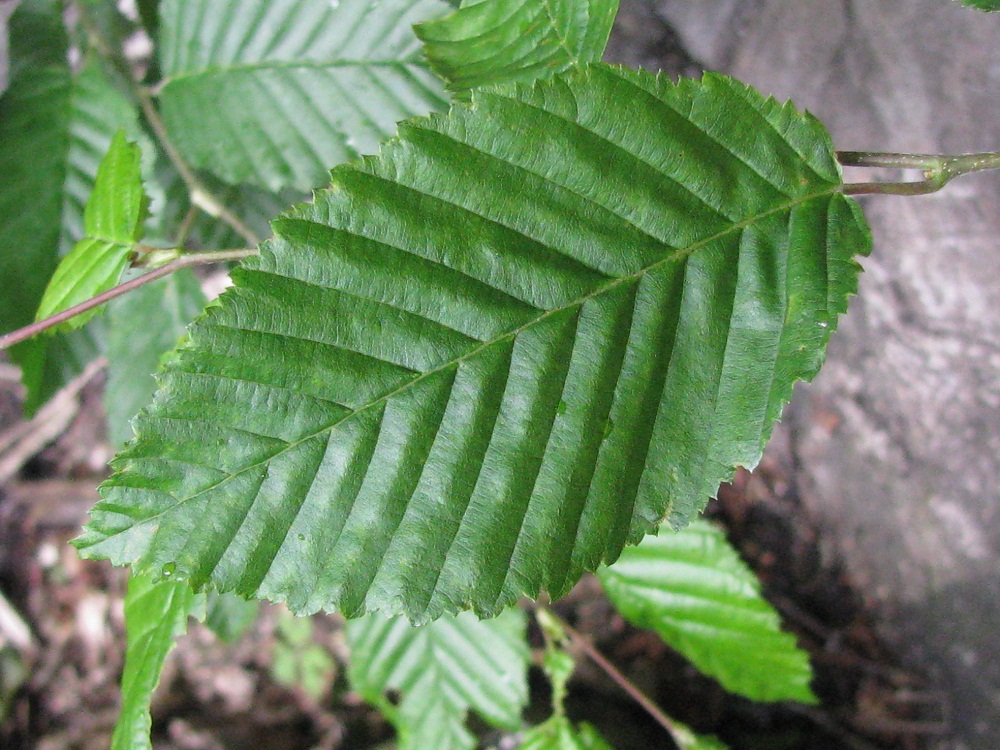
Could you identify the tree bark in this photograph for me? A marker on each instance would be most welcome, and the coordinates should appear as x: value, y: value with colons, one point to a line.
x: 897, y: 441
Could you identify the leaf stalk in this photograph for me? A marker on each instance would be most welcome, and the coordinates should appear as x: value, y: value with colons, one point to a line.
x: 588, y: 648
x: 938, y: 170
x: 192, y: 259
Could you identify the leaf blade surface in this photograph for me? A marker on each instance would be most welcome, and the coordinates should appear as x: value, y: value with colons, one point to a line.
x: 156, y: 616
x: 442, y: 670
x: 500, y: 41
x: 275, y: 93
x: 478, y: 365
x: 692, y: 588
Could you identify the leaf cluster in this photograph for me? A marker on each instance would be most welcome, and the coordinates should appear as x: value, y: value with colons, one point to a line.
x: 544, y: 320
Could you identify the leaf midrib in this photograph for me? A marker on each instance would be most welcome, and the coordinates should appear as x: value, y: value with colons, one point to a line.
x: 679, y: 254
x: 414, y: 62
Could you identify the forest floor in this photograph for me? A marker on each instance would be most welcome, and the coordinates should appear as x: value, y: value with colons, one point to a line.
x: 62, y: 637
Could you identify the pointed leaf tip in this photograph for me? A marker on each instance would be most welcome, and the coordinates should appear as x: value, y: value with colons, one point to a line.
x: 112, y: 221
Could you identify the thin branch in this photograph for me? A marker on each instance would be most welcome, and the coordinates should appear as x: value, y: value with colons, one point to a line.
x: 194, y: 259
x: 914, y: 187
x: 201, y: 196
x: 938, y: 170
x: 584, y: 644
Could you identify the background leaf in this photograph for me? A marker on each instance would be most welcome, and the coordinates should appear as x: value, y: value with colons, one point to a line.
x: 479, y: 364
x: 558, y: 733
x: 229, y: 616
x: 495, y: 41
x: 987, y: 5
x: 112, y: 222
x: 275, y: 92
x: 54, y: 128
x: 170, y: 202
x: 142, y: 327
x: 442, y: 670
x: 156, y: 616
x: 297, y: 662
x: 692, y: 588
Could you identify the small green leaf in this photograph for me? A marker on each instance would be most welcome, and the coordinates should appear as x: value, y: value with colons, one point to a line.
x: 55, y: 125
x: 692, y: 588
x: 495, y: 41
x: 92, y: 266
x: 297, y: 662
x: 229, y: 616
x: 156, y: 615
x: 117, y: 206
x: 442, y: 670
x: 558, y: 733
x: 112, y: 221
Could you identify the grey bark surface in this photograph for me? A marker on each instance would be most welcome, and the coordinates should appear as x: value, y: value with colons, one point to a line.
x: 6, y: 8
x: 898, y: 439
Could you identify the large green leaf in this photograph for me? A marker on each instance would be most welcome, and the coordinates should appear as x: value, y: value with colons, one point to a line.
x: 54, y: 128
x: 112, y: 222
x: 156, y: 616
x: 495, y: 41
x: 692, y: 588
x: 482, y: 362
x: 275, y: 92
x: 442, y: 670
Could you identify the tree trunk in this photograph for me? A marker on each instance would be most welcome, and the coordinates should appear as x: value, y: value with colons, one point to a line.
x: 897, y: 441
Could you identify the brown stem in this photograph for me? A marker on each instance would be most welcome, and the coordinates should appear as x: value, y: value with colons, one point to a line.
x: 584, y: 644
x: 194, y: 259
x: 201, y: 196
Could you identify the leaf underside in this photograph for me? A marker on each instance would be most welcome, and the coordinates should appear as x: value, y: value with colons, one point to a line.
x: 273, y: 92
x: 480, y: 363
x: 499, y: 41
x: 692, y: 588
x: 441, y: 671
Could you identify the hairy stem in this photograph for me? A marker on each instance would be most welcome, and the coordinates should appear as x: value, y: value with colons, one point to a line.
x: 584, y: 644
x: 938, y: 170
x: 194, y: 259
